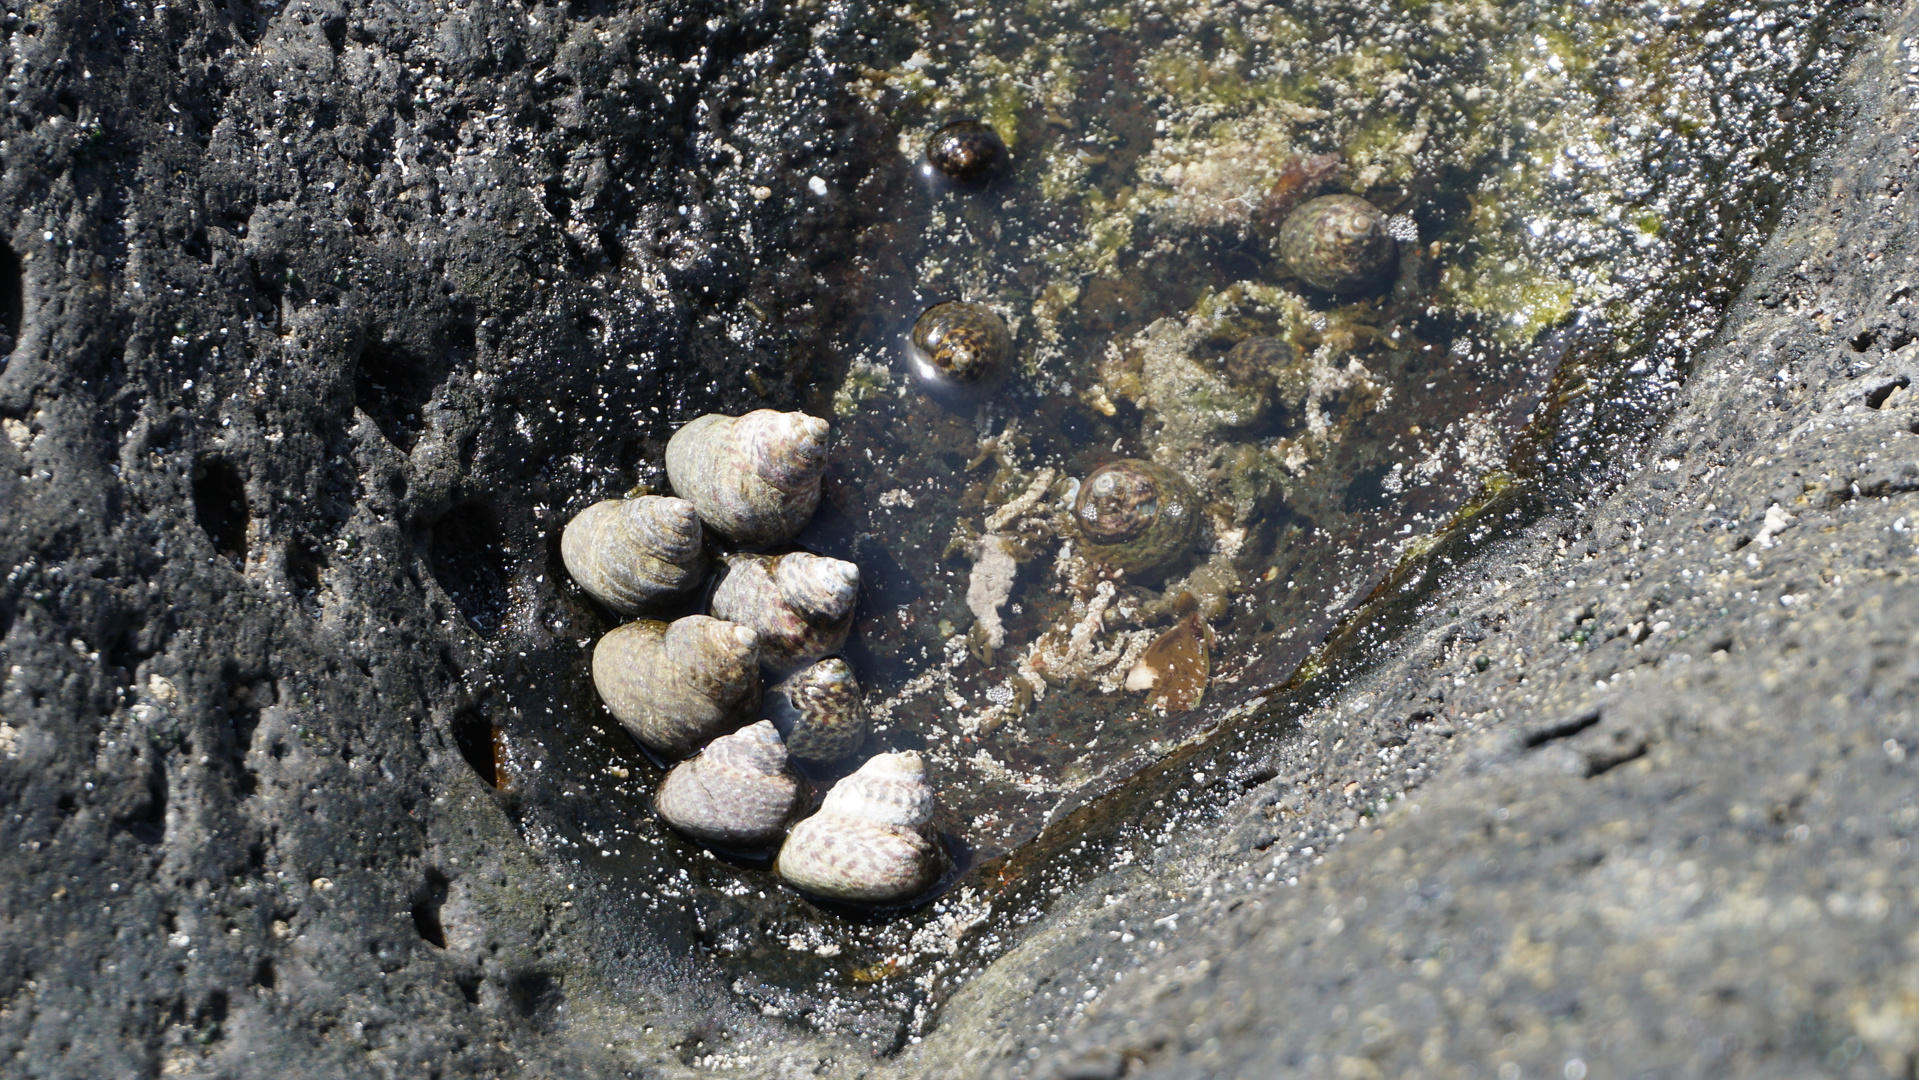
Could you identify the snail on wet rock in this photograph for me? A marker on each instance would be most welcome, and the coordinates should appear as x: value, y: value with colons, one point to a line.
x: 677, y: 686
x: 741, y: 791
x: 632, y: 553
x: 754, y: 479
x: 965, y: 150
x: 800, y: 604
x: 961, y: 348
x: 1137, y: 516
x: 868, y: 843
x: 818, y: 712
x: 1339, y: 243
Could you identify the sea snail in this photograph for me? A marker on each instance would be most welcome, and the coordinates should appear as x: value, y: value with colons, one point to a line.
x: 754, y: 479
x: 800, y: 604
x: 965, y: 150
x: 1339, y: 243
x: 679, y: 686
x: 961, y: 348
x: 741, y: 791
x: 868, y: 843
x: 818, y: 712
x: 632, y: 553
x: 1137, y: 517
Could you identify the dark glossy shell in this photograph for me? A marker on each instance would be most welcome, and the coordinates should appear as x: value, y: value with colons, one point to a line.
x: 1137, y: 516
x: 965, y: 150
x: 1338, y: 243
x: 818, y: 712
x: 961, y: 347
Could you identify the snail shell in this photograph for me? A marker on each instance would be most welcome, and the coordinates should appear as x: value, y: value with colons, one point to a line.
x: 631, y: 553
x: 739, y: 792
x: 755, y: 479
x: 800, y: 604
x: 965, y: 150
x: 868, y: 842
x: 678, y: 686
x: 961, y: 347
x: 1338, y: 243
x: 1136, y: 516
x: 819, y: 712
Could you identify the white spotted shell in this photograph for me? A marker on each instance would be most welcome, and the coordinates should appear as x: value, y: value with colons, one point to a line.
x: 868, y: 842
x: 633, y: 553
x: 801, y: 604
x: 739, y: 792
x: 678, y: 686
x: 755, y: 479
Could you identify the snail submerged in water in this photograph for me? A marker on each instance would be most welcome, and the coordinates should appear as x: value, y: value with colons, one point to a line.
x: 633, y: 553
x: 868, y: 843
x: 965, y: 150
x: 677, y: 686
x: 818, y: 712
x: 799, y: 604
x: 1137, y: 516
x: 1339, y: 243
x: 754, y: 479
x: 741, y: 791
x: 961, y: 348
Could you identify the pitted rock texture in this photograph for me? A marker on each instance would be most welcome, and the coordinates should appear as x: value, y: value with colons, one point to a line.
x: 322, y: 317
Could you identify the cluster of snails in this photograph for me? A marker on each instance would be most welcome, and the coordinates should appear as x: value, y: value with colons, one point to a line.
x: 691, y: 690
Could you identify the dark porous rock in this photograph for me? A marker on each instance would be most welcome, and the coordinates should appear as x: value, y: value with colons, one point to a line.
x: 310, y: 300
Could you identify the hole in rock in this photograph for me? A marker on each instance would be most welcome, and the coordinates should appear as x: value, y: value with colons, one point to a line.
x: 470, y: 564
x: 220, y: 504
x: 1876, y: 397
x: 146, y: 820
x: 305, y: 563
x: 536, y: 996
x: 475, y: 737
x: 427, y: 901
x: 13, y: 297
x: 392, y: 385
x: 469, y: 988
x: 263, y: 974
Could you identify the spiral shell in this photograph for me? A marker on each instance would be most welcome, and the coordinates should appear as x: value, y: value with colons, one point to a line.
x: 755, y: 479
x: 868, y: 843
x: 739, y: 792
x: 800, y: 604
x: 965, y: 150
x: 632, y: 553
x: 961, y: 347
x: 818, y: 712
x: 1338, y: 243
x: 679, y: 686
x: 1136, y: 516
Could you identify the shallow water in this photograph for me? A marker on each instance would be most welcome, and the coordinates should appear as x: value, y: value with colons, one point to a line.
x: 1575, y: 208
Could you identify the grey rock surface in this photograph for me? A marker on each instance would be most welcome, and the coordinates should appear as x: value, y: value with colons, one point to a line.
x: 1635, y: 794
x: 312, y: 307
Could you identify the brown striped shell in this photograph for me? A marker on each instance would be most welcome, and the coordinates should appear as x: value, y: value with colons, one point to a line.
x: 678, y: 686
x: 1339, y: 243
x: 800, y: 604
x: 633, y: 553
x: 869, y: 842
x: 1137, y: 516
x: 741, y: 791
x: 754, y: 479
